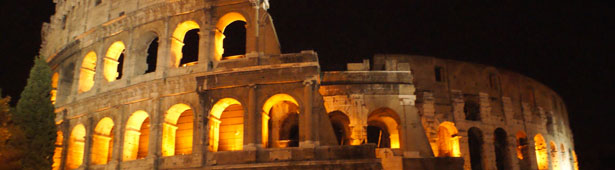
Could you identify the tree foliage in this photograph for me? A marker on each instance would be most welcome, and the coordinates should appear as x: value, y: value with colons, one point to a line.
x: 35, y: 118
x: 9, y: 155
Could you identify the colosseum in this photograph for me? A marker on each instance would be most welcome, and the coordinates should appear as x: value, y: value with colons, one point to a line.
x: 163, y: 84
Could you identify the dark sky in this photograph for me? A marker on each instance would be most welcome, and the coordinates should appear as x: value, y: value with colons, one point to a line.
x: 562, y: 44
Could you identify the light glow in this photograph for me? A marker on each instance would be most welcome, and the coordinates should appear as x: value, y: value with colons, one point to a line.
x: 136, y: 136
x: 448, y: 140
x: 102, y: 143
x: 112, y: 60
x: 57, y: 153
x: 54, y: 87
x: 521, y: 147
x: 76, y: 147
x: 542, y: 158
x: 177, y: 41
x: 177, y: 130
x: 226, y: 126
x: 386, y: 116
x: 87, y: 72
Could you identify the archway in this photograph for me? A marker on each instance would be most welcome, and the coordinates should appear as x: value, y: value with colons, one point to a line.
x: 76, y: 147
x: 502, y: 160
x: 226, y: 125
x: 87, y: 72
x: 382, y: 128
x: 114, y: 61
x: 448, y: 140
x: 281, y: 121
x: 102, y: 142
x: 523, y: 151
x: 177, y: 130
x: 542, y: 159
x: 152, y: 56
x: 234, y: 42
x: 221, y: 26
x: 187, y: 30
x: 554, y: 158
x: 57, y: 153
x: 136, y: 136
x: 475, y: 141
x: 340, y: 123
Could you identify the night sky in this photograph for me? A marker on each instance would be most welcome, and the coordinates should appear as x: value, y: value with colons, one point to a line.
x: 561, y: 44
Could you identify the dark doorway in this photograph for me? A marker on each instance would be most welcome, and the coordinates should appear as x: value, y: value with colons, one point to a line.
x: 378, y: 135
x: 290, y: 130
x: 234, y: 39
x: 475, y: 140
x: 152, y: 56
x: 190, y: 51
x: 501, y: 149
x: 120, y: 65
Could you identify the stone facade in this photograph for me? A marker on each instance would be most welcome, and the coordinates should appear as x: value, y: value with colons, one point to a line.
x: 124, y: 103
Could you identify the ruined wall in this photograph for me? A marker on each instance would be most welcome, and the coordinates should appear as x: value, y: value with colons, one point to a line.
x: 518, y: 105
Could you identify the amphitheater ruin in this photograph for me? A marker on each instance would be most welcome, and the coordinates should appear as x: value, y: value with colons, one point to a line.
x: 162, y: 84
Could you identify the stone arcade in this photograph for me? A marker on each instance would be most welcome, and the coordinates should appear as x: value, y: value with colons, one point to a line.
x: 147, y: 84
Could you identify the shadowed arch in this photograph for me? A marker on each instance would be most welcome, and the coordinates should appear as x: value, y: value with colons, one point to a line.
x: 341, y: 127
x: 381, y: 123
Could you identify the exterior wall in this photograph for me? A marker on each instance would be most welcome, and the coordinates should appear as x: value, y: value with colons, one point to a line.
x: 512, y: 102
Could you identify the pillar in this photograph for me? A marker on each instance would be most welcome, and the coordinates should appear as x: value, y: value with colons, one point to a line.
x: 308, y: 118
x: 251, y: 136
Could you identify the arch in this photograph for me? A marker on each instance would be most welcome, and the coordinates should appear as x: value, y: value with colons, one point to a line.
x: 178, y: 130
x: 136, y: 136
x: 340, y: 123
x: 448, y: 140
x: 475, y: 142
x: 540, y: 145
x: 226, y: 125
x: 522, y: 150
x: 57, y: 153
x: 501, y: 149
x: 114, y: 61
x: 177, y: 41
x: 54, y: 87
x: 87, y: 72
x: 381, y: 123
x: 280, y: 124
x: 223, y: 22
x: 554, y: 158
x: 152, y: 55
x: 76, y: 147
x: 102, y: 142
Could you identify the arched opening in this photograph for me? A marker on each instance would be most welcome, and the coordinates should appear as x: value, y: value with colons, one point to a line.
x: 448, y: 140
x: 502, y: 160
x: 76, y: 147
x: 475, y: 141
x: 235, y: 39
x: 87, y: 72
x: 57, y: 153
x: 54, y: 87
x: 472, y: 110
x: 542, y: 158
x: 177, y: 130
x: 234, y: 43
x: 554, y: 159
x: 523, y: 150
x: 114, y: 61
x: 226, y: 126
x: 340, y: 123
x: 382, y: 128
x: 136, y: 136
x: 281, y: 121
x: 102, y: 142
x: 185, y: 44
x: 152, y: 56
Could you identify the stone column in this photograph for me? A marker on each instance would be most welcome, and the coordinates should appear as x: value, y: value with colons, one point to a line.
x: 252, y: 136
x: 308, y: 117
x: 87, y: 151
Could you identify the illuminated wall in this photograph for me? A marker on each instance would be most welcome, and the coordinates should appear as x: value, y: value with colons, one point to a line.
x: 542, y: 158
x: 226, y: 126
x: 522, y: 150
x: 177, y: 131
x: 54, y: 87
x: 57, y: 153
x: 220, y: 27
x: 554, y: 158
x: 276, y: 109
x: 76, y: 147
x: 448, y: 140
x: 87, y: 72
x: 112, y: 61
x: 136, y: 136
x: 102, y: 142
x: 177, y: 41
x: 576, y: 163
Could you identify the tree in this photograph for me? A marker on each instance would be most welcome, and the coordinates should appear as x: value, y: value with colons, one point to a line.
x: 35, y: 117
x: 9, y: 155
